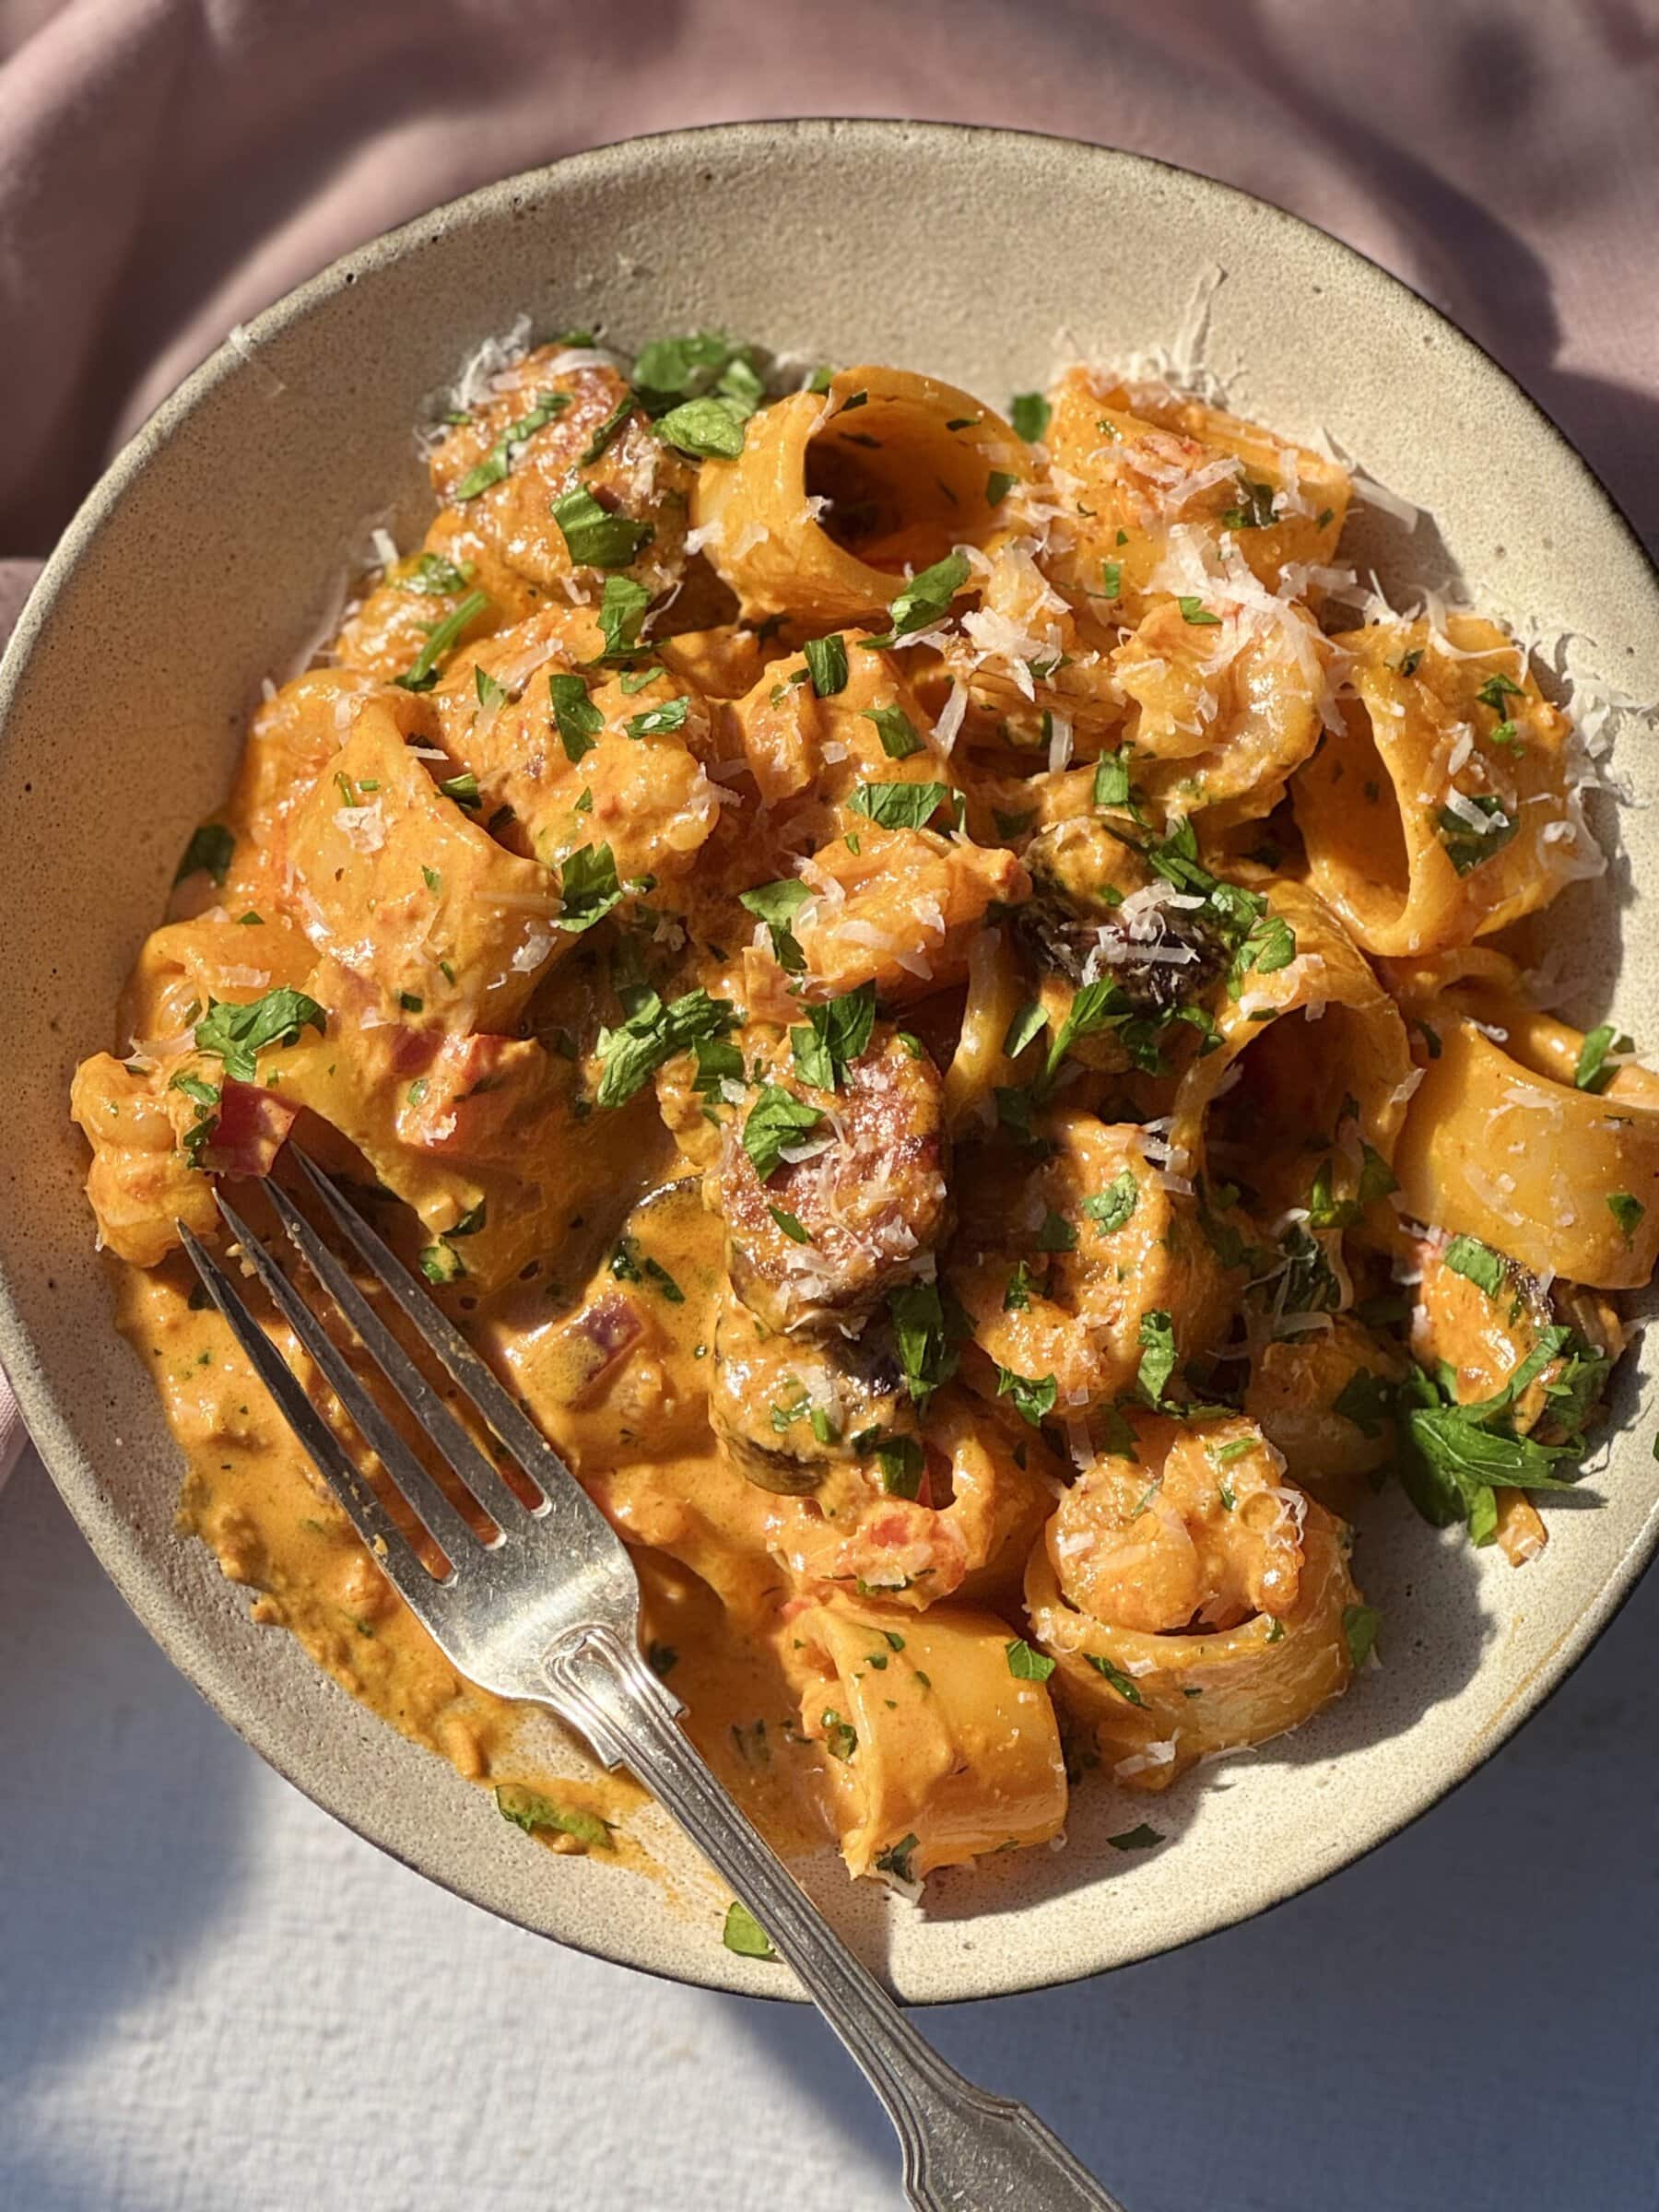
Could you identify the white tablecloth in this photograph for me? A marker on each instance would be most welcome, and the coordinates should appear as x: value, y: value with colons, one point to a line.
x: 212, y: 1999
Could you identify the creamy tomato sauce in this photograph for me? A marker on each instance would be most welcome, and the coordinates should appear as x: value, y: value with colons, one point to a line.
x: 251, y: 1495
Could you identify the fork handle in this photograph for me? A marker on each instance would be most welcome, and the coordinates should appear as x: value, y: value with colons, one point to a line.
x: 965, y: 2151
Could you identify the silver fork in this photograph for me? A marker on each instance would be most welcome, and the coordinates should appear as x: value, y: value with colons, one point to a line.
x: 549, y: 1612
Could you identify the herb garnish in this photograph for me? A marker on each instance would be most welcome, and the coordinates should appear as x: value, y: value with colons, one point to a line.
x: 833, y: 1036
x: 595, y: 537
x: 776, y: 904
x: 441, y: 639
x: 576, y: 718
x: 826, y: 661
x: 208, y: 853
x: 900, y: 805
x: 1026, y: 1665
x: 239, y: 1034
x: 777, y: 1119
x: 505, y: 450
x: 1031, y: 414
x: 652, y: 1033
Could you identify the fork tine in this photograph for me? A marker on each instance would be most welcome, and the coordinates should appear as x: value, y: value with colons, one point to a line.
x: 482, y: 1479
x: 385, y: 1539
x: 515, y: 1429
x: 442, y: 1523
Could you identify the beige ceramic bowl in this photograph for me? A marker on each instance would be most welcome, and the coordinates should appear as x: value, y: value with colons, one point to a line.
x: 203, y: 561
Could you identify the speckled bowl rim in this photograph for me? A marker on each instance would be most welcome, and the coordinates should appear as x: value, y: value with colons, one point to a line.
x: 163, y: 1614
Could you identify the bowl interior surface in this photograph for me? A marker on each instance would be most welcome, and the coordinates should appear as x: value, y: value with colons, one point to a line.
x: 205, y: 559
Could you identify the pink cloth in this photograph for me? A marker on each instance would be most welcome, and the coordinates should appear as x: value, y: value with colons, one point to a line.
x: 169, y: 166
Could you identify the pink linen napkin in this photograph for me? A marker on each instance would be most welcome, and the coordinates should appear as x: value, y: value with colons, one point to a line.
x: 169, y: 166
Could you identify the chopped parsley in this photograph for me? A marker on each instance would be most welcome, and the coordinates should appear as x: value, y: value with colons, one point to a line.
x: 207, y: 854
x: 1157, y: 1355
x: 1025, y: 1029
x: 1627, y: 1211
x: 433, y: 577
x: 743, y: 1933
x: 776, y: 904
x: 1030, y: 415
x: 440, y: 1264
x: 588, y: 888
x: 895, y: 730
x: 1268, y: 945
x: 1496, y: 690
x: 900, y: 805
x: 900, y: 1460
x: 239, y: 1034
x: 576, y: 718
x: 1327, y: 1211
x: 652, y: 721
x: 1593, y: 1072
x: 597, y: 537
x: 1455, y: 1458
x: 505, y: 450
x: 441, y: 639
x: 1255, y: 510
x: 840, y: 1739
x: 670, y: 371
x: 1034, y: 1396
x: 924, y: 600
x: 790, y: 1224
x: 1026, y: 1665
x: 777, y: 1119
x: 1360, y: 1626
x: 1367, y: 1400
x: 607, y: 430
x: 1467, y: 845
x: 1478, y: 1263
x: 923, y: 1330
x: 1194, y: 610
x: 1137, y: 1839
x: 529, y: 1810
x: 711, y: 428
x: 1110, y: 1209
x: 1119, y: 1680
x: 833, y: 1036
x: 621, y: 612
x: 1111, y: 781
x: 652, y: 1033
x: 826, y: 661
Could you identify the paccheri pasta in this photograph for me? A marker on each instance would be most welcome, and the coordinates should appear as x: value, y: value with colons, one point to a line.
x: 953, y: 1028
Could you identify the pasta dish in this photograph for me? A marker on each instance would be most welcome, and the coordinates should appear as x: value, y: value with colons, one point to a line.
x: 946, y: 997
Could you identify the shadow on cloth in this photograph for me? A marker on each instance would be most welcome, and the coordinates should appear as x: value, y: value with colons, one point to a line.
x: 118, y: 1875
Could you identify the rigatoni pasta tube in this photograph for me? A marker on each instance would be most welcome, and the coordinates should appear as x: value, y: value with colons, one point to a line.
x: 1440, y: 811
x: 931, y: 1734
x: 1195, y: 1602
x: 906, y: 460
x: 1560, y: 1180
x: 1294, y: 1078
